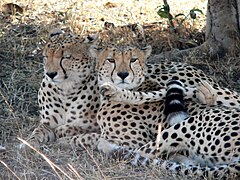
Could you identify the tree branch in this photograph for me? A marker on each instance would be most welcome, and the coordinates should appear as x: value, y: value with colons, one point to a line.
x: 210, y: 48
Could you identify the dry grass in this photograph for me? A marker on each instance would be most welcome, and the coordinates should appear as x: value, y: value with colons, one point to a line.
x: 21, y: 41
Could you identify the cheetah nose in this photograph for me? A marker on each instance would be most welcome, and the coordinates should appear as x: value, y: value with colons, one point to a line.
x: 123, y: 75
x: 51, y: 74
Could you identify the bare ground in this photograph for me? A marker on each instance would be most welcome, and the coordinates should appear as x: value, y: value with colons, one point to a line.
x: 22, y: 37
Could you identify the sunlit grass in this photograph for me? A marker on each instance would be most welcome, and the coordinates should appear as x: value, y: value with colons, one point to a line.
x: 91, y: 15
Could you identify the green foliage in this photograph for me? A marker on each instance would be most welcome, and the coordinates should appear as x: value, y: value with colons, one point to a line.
x: 193, y: 14
x: 164, y: 12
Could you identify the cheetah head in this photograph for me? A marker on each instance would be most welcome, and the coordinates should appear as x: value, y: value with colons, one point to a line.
x: 67, y: 57
x: 123, y: 66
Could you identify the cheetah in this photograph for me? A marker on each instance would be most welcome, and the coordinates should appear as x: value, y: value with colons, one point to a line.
x: 209, y: 140
x: 68, y: 97
x: 128, y: 121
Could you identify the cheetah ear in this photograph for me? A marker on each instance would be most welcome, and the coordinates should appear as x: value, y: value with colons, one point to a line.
x: 147, y: 51
x: 92, y: 39
x: 55, y: 32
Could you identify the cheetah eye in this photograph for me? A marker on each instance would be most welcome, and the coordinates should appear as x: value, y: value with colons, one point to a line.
x: 111, y: 60
x: 133, y: 60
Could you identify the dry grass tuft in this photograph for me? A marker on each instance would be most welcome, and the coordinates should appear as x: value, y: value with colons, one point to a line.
x: 22, y: 36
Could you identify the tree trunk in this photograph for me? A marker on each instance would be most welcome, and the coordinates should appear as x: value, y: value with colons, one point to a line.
x: 223, y: 23
x: 222, y: 32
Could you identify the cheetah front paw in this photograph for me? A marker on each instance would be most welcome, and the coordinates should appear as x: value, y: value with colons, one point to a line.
x: 108, y: 90
x: 206, y: 94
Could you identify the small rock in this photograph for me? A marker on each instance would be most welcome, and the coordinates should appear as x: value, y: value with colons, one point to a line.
x: 2, y: 148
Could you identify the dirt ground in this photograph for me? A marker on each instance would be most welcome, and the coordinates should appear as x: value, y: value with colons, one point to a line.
x: 23, y: 33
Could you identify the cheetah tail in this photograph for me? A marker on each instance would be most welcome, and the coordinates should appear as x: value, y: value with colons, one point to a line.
x: 175, y: 110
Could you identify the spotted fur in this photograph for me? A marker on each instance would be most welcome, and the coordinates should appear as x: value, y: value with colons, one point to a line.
x: 66, y: 107
x: 70, y: 106
x: 129, y: 119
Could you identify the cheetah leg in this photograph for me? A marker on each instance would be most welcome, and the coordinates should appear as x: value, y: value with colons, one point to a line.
x: 89, y: 140
x: 219, y: 96
x: 72, y: 130
x: 203, y: 93
x: 42, y: 134
x: 96, y: 142
x: 114, y: 93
